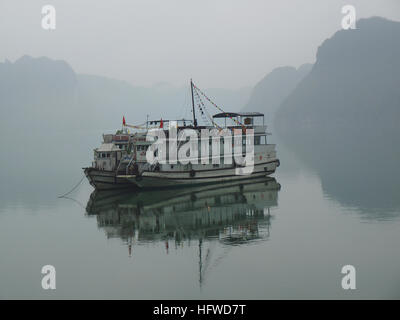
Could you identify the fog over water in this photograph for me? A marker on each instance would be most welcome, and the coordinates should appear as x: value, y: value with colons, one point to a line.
x: 331, y: 101
x: 223, y: 44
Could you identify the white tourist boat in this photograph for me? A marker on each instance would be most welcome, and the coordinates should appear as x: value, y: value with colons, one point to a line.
x: 121, y: 160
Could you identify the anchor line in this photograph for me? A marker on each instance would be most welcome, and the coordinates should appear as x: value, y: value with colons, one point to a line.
x: 76, y: 186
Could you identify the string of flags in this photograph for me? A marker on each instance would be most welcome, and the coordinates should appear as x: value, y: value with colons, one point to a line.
x: 131, y: 126
x: 204, y: 109
x: 141, y: 126
x: 215, y: 105
x: 204, y: 113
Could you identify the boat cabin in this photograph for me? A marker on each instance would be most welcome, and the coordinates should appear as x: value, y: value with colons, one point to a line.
x: 107, y: 157
x: 250, y: 120
x: 121, y: 140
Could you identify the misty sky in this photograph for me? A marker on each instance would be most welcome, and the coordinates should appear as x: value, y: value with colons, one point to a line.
x: 220, y: 43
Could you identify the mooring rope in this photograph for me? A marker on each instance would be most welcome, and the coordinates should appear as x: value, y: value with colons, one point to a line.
x: 76, y: 186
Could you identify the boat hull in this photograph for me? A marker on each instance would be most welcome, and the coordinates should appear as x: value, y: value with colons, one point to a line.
x: 165, y: 179
x: 106, y: 180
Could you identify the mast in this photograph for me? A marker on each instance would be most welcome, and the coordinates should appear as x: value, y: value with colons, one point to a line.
x: 194, y: 114
x: 200, y: 263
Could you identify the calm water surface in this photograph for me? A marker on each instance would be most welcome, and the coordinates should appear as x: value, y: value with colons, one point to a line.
x: 278, y: 238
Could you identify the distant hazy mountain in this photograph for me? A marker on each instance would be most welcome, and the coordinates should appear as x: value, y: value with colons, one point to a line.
x: 110, y: 99
x: 356, y: 77
x: 269, y: 93
x: 52, y: 118
x: 48, y: 93
x: 344, y: 116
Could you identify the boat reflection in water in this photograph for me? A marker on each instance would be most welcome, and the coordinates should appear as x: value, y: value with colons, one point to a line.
x: 228, y: 213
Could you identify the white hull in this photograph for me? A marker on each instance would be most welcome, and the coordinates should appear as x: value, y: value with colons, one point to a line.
x: 184, y: 178
x: 106, y: 180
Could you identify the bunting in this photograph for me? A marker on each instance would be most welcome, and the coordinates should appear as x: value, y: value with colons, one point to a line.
x: 203, y: 110
x: 215, y: 105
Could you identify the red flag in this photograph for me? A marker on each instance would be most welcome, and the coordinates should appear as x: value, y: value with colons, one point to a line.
x: 161, y: 124
x: 123, y: 120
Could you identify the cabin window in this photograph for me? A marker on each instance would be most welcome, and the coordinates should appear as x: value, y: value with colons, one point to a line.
x: 142, y: 147
x: 263, y: 140
x: 257, y: 140
x: 108, y: 155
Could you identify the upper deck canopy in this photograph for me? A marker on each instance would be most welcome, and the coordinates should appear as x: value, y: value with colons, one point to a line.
x: 238, y: 114
x: 107, y: 147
